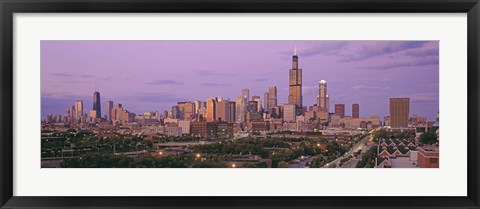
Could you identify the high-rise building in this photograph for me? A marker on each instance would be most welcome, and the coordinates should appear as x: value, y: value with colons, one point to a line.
x: 241, y: 105
x: 79, y: 109
x: 272, y: 97
x: 327, y: 103
x: 355, y: 110
x: 96, y: 104
x: 289, y: 112
x: 222, y: 112
x: 340, y: 110
x: 232, y: 111
x: 252, y: 106
x: 259, y: 102
x: 109, y: 110
x: 211, y: 109
x: 322, y: 96
x: 399, y: 112
x: 189, y: 111
x: 240, y: 117
x: 70, y: 114
x: 295, y: 83
x: 198, y: 105
x: 266, y: 105
x: 245, y: 96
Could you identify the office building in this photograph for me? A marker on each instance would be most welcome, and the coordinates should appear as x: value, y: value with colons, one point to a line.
x: 211, y: 109
x: 96, y: 104
x: 79, y: 109
x: 289, y: 112
x: 109, y: 109
x: 259, y: 102
x: 340, y: 110
x: 322, y: 96
x: 355, y: 110
x: 222, y: 112
x: 399, y: 112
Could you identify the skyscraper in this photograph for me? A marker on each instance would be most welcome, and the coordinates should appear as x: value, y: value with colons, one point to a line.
x: 189, y: 111
x: 232, y: 111
x: 266, y: 105
x: 399, y: 111
x: 79, y: 109
x: 198, y: 106
x: 295, y: 83
x: 241, y: 105
x: 259, y: 102
x: 245, y: 96
x: 240, y: 117
x: 222, y: 112
x: 322, y: 96
x: 211, y: 109
x: 355, y: 110
x: 340, y: 110
x: 327, y: 103
x: 289, y: 112
x: 96, y: 104
x: 272, y: 97
x: 109, y: 110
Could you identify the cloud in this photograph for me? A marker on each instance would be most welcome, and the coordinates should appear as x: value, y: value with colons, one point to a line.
x: 260, y: 79
x: 423, y: 52
x: 86, y: 76
x: 372, y: 49
x: 214, y: 84
x: 164, y: 82
x: 61, y: 74
x: 326, y: 48
x: 369, y: 88
x: 212, y: 73
x: 154, y: 97
x: 410, y: 63
x: 310, y: 90
x: 424, y: 97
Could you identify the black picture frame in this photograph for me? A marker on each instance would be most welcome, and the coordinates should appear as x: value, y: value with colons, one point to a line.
x: 9, y: 7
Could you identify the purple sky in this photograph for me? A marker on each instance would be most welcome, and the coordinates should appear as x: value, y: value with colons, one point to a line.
x: 153, y: 75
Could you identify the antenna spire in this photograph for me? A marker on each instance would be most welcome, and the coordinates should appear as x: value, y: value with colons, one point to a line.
x: 295, y: 51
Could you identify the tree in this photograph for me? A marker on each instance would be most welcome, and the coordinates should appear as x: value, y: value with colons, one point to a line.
x: 381, y: 134
x: 428, y: 138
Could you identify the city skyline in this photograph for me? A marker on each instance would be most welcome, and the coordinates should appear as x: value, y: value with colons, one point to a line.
x: 154, y: 75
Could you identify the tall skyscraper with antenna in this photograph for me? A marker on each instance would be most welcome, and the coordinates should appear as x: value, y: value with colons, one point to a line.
x: 295, y: 83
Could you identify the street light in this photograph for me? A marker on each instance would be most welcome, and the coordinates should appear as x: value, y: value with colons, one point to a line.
x: 233, y: 165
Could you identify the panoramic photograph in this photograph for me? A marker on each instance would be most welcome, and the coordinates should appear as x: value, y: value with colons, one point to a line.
x: 230, y: 104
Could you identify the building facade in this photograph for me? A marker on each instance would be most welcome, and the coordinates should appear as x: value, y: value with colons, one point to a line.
x: 340, y: 110
x: 399, y: 112
x: 322, y: 96
x: 96, y: 104
x: 355, y: 111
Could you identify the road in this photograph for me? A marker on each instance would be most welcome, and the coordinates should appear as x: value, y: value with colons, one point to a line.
x: 358, y: 146
x: 353, y: 162
x: 301, y: 164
